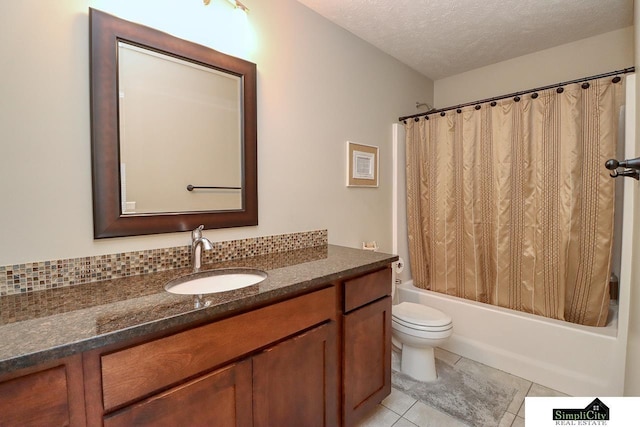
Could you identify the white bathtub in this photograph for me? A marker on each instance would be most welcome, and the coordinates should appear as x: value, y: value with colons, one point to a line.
x: 577, y: 360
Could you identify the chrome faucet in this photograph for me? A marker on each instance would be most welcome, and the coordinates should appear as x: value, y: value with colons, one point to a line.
x: 197, y: 244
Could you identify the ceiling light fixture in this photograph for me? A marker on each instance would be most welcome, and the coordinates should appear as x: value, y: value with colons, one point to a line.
x: 238, y: 5
x: 235, y: 3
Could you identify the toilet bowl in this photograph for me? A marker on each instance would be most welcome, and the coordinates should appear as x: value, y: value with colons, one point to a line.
x: 418, y: 330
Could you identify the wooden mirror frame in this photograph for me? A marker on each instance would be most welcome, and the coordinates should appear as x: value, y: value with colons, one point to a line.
x: 108, y: 221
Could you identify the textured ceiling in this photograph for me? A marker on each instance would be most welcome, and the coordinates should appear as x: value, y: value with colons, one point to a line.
x: 440, y: 38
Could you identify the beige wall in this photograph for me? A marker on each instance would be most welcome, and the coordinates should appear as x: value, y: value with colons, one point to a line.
x: 632, y: 377
x: 587, y: 57
x: 318, y: 86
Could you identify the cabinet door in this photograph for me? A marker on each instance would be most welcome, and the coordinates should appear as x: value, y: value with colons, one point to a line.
x: 295, y: 382
x: 221, y: 398
x: 142, y: 370
x: 48, y: 397
x: 367, y: 359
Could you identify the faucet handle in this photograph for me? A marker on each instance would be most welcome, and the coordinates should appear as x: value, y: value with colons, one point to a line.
x: 197, y: 233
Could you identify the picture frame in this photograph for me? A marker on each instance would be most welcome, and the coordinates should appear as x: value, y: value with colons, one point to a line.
x: 362, y: 165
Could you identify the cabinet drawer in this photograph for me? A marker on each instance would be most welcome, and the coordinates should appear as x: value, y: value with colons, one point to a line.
x: 365, y: 289
x: 220, y: 398
x: 138, y: 371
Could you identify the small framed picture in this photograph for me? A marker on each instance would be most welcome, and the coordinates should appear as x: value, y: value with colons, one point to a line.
x: 362, y: 165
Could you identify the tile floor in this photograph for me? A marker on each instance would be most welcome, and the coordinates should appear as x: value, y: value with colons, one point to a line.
x: 402, y: 410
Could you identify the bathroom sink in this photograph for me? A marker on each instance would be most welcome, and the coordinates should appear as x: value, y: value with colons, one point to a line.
x: 212, y: 281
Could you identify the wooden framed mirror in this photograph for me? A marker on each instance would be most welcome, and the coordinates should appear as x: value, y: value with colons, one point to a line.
x: 173, y: 133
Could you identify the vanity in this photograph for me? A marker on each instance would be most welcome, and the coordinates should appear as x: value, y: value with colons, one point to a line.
x: 310, y: 345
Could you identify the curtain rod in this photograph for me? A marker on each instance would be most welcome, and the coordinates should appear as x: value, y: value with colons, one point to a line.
x: 496, y: 98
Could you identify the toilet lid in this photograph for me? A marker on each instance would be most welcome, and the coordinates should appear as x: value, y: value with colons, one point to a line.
x: 419, y: 315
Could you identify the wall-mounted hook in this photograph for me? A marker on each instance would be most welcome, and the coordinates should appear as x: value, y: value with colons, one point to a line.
x: 632, y: 168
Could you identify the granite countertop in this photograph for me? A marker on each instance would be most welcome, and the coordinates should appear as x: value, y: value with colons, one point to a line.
x: 45, y: 325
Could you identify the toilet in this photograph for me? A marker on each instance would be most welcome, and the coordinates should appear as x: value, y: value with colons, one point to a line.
x: 418, y: 330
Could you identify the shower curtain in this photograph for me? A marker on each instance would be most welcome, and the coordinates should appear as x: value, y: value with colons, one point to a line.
x: 510, y: 204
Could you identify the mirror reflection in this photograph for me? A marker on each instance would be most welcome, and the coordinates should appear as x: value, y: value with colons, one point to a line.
x: 173, y: 114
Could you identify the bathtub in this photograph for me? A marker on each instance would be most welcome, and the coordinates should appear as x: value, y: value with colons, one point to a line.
x: 574, y: 359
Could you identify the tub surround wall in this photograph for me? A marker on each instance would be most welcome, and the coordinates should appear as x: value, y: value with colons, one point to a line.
x: 632, y: 375
x: 36, y: 276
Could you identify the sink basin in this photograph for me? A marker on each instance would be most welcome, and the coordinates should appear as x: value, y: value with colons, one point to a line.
x: 212, y: 281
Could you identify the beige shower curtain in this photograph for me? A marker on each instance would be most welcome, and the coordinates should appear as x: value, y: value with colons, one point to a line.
x: 511, y: 204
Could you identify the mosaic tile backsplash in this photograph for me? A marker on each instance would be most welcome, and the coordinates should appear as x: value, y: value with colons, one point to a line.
x: 34, y: 276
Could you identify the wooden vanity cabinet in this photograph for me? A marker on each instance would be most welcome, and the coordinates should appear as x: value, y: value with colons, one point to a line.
x: 291, y: 383
x: 274, y: 365
x: 317, y: 359
x: 50, y: 394
x: 366, y: 344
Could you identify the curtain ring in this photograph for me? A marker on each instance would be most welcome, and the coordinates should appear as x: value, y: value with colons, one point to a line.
x: 458, y: 111
x: 417, y: 119
x: 560, y: 90
x: 616, y: 79
x: 494, y: 103
x: 477, y: 107
x: 517, y: 99
x: 443, y: 114
x: 534, y: 95
x: 426, y: 117
x: 585, y: 85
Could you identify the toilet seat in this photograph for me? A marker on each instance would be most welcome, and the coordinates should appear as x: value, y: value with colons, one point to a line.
x: 420, y: 317
x: 421, y: 328
x: 417, y: 330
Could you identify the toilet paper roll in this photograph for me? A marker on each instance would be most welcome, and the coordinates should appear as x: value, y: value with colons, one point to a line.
x: 399, y: 265
x: 370, y: 246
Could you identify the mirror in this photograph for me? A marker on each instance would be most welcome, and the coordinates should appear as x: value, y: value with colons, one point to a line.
x: 173, y: 133
x: 190, y: 113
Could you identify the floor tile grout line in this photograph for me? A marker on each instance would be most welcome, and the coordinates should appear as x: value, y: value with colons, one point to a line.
x: 407, y: 420
x: 514, y: 421
x: 521, y: 403
x: 524, y: 399
x: 407, y: 410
